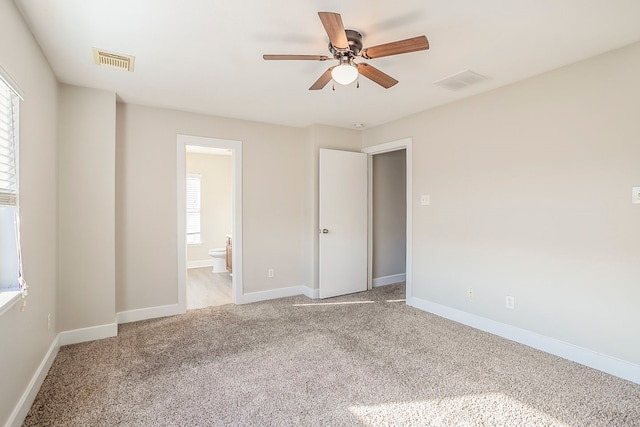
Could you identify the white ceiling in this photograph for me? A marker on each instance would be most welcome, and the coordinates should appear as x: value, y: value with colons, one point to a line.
x: 205, y: 56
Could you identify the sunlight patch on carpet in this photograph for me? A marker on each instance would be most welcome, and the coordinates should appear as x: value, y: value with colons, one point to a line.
x: 311, y: 304
x: 495, y: 409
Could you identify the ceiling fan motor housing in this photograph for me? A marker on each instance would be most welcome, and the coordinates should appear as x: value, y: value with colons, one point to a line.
x: 355, y: 45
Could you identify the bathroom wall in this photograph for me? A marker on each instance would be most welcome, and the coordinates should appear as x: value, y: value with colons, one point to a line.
x: 216, y: 204
x: 389, y: 212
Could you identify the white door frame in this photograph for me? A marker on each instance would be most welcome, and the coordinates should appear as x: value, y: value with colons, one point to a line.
x: 401, y: 144
x: 236, y: 202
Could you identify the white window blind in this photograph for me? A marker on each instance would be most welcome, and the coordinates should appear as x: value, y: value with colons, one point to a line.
x: 193, y: 209
x: 8, y: 145
x: 11, y: 275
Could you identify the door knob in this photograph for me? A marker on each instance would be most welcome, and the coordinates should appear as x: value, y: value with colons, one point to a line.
x: 325, y: 231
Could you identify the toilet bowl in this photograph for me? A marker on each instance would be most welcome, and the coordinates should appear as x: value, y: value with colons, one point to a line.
x: 219, y: 256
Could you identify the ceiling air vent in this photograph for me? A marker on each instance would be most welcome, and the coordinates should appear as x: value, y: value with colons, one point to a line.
x: 460, y: 80
x: 113, y: 60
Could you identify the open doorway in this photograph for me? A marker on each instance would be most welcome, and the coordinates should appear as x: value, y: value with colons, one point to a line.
x: 389, y: 218
x: 208, y: 231
x: 390, y: 212
x: 209, y: 221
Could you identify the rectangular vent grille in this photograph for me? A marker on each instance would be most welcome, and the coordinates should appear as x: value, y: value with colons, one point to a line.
x: 460, y: 80
x: 113, y: 60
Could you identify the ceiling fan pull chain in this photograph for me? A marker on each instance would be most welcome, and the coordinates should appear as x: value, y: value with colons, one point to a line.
x: 334, y: 87
x: 358, y: 84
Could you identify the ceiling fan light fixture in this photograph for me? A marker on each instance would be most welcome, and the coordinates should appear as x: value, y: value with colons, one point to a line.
x: 345, y: 73
x: 346, y: 45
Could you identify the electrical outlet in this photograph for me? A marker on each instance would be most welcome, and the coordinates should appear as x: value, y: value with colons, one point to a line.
x: 425, y: 199
x: 48, y: 321
x: 469, y: 292
x: 270, y: 272
x: 510, y: 302
x: 635, y: 195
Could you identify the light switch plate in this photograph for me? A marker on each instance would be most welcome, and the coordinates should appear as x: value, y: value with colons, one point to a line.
x: 425, y: 199
x: 635, y: 195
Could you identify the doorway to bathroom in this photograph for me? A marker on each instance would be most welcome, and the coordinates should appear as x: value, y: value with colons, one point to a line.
x: 209, y: 221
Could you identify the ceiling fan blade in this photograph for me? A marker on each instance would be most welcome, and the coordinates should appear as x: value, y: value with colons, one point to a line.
x: 335, y: 29
x: 395, y: 48
x: 323, y: 80
x: 372, y: 73
x: 295, y: 57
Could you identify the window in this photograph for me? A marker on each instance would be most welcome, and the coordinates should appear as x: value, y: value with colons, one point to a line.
x: 10, y: 258
x: 194, y: 183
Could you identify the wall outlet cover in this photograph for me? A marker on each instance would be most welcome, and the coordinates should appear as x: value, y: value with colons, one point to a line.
x: 635, y: 195
x: 510, y: 302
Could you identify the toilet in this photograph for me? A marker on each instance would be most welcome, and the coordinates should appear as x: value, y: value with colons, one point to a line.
x: 219, y: 256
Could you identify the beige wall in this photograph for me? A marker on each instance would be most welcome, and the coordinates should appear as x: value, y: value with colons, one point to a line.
x: 146, y: 206
x: 24, y: 335
x: 529, y: 185
x: 389, y: 214
x: 87, y: 207
x: 530, y: 196
x: 216, y: 207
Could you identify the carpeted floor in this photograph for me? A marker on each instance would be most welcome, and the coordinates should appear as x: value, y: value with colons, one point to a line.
x: 360, y: 360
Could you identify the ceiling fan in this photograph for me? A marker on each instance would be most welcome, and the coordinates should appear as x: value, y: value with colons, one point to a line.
x: 345, y: 46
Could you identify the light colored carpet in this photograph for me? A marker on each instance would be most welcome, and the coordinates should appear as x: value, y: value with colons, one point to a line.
x: 361, y: 360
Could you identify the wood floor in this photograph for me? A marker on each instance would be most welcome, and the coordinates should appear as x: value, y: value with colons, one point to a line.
x: 205, y: 288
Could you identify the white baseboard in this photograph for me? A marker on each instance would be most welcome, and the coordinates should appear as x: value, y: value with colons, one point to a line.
x: 602, y: 362
x: 24, y: 404
x: 271, y: 294
x: 388, y: 280
x: 310, y: 293
x: 88, y: 334
x: 148, y: 313
x: 201, y: 263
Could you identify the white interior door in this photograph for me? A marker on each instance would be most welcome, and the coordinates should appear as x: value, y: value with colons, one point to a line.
x: 343, y: 223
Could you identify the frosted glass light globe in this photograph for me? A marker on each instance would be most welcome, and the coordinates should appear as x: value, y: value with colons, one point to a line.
x: 344, y: 74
